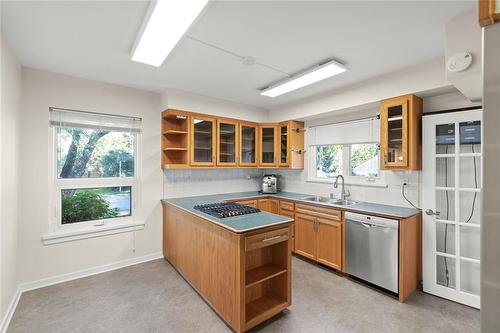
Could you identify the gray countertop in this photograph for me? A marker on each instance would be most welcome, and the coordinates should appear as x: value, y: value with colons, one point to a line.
x: 260, y: 220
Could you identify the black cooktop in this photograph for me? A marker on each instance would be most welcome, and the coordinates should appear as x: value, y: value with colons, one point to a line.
x: 226, y: 209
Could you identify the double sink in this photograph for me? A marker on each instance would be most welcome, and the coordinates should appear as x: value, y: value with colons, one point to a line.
x: 327, y: 200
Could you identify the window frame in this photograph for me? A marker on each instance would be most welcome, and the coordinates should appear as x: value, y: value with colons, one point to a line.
x: 59, y: 232
x: 376, y: 181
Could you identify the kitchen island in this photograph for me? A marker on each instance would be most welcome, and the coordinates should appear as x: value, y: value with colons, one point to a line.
x: 240, y: 265
x: 316, y: 231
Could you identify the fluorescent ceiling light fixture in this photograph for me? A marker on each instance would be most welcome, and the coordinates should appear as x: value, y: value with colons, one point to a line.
x: 168, y: 22
x: 306, y: 78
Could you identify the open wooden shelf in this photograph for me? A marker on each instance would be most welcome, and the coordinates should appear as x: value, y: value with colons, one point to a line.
x: 175, y: 132
x: 175, y: 148
x: 263, y: 273
x: 262, y: 307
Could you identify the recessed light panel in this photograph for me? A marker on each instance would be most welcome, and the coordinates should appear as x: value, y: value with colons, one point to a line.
x: 311, y: 76
x: 168, y: 22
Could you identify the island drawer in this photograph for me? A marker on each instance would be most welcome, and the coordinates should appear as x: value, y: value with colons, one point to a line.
x: 266, y: 238
x: 325, y: 212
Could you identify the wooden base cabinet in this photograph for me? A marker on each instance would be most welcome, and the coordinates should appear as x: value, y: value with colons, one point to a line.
x: 269, y: 205
x: 319, y: 235
x: 245, y: 278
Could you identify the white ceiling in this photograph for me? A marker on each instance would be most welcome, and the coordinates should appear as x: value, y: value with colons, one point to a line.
x: 93, y: 39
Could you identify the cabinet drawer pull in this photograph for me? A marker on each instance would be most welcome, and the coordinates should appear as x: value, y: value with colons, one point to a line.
x: 271, y: 238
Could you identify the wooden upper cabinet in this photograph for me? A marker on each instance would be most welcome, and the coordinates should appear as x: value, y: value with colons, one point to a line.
x: 400, y: 133
x: 227, y: 142
x: 268, y: 145
x: 203, y: 145
x: 488, y: 12
x: 248, y: 137
x: 291, y: 144
x: 175, y: 139
x: 196, y: 140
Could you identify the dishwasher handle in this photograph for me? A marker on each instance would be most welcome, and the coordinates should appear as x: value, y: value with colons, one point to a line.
x: 373, y: 222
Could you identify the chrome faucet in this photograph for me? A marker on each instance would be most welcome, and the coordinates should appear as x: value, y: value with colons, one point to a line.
x: 336, y: 185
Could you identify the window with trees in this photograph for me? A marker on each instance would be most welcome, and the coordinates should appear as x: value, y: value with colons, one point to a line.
x: 95, y: 168
x: 349, y: 160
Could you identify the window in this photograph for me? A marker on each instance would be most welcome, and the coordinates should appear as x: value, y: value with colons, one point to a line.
x: 348, y: 160
x: 349, y: 149
x: 364, y: 160
x: 95, y: 173
x: 328, y: 161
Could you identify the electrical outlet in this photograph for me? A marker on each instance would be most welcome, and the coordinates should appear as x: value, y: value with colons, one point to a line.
x: 406, y: 181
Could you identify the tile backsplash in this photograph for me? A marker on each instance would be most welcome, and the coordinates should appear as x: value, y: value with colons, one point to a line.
x: 191, y: 182
x: 296, y: 181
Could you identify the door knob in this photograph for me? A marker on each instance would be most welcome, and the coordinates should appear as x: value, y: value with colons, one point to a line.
x: 431, y: 212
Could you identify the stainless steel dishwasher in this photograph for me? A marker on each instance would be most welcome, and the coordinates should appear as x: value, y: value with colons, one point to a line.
x: 371, y: 249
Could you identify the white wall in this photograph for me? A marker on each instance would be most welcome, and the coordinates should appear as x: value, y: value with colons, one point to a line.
x: 40, y: 91
x: 428, y: 76
x: 9, y: 163
x: 296, y: 180
x: 178, y: 99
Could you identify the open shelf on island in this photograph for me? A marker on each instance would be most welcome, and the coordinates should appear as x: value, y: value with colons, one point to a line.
x: 262, y: 273
x: 267, y: 276
x: 262, y: 307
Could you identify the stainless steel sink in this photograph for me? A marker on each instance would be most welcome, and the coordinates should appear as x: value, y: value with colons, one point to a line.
x: 327, y: 200
x: 343, y: 202
x: 317, y: 199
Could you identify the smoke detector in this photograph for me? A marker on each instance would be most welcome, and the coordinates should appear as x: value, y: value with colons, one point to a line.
x: 459, y: 62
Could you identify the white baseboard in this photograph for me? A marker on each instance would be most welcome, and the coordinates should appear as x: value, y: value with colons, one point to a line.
x: 68, y: 277
x: 10, y: 311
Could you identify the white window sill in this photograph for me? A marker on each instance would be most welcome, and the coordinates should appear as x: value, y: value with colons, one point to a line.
x: 352, y: 182
x: 90, y: 232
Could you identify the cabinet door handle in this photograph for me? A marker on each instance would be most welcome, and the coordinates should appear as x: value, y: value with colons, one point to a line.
x: 270, y: 238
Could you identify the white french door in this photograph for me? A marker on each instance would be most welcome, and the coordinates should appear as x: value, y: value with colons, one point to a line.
x: 451, y: 200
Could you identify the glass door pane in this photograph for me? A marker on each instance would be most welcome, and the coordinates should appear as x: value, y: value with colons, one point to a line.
x: 284, y: 144
x: 395, y: 134
x: 203, y: 141
x: 268, y: 136
x: 248, y: 144
x: 227, y: 143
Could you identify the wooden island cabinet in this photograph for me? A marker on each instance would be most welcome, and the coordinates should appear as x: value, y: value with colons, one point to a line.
x: 245, y: 277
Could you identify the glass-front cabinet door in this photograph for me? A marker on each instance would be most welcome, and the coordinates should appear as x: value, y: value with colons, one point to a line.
x: 227, y: 141
x: 394, y: 132
x: 268, y: 145
x: 284, y: 143
x: 202, y: 141
x: 248, y: 144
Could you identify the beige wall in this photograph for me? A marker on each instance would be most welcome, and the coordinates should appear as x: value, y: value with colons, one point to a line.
x: 490, y: 232
x: 40, y: 91
x: 9, y: 161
